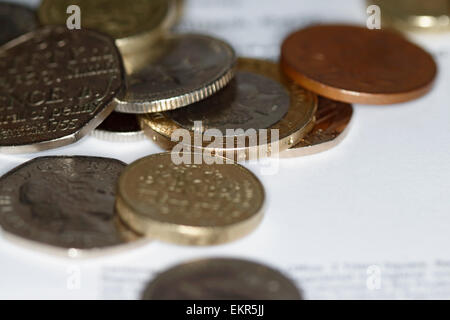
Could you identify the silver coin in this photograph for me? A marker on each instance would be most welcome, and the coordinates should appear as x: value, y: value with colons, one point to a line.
x: 15, y: 20
x: 65, y: 202
x: 182, y: 70
x: 221, y: 279
x: 56, y: 86
x: 119, y: 127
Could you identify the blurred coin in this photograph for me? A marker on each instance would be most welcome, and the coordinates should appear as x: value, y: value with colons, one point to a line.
x: 65, y: 202
x: 15, y: 20
x: 331, y: 126
x: 56, y: 86
x: 415, y: 15
x: 133, y: 24
x: 357, y: 65
x: 258, y: 98
x: 177, y: 72
x: 120, y: 127
x: 221, y: 279
x: 194, y: 204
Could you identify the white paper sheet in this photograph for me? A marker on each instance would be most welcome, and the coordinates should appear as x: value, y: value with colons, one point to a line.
x: 369, y: 219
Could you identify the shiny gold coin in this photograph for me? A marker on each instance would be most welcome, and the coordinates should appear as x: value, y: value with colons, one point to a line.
x: 193, y: 204
x: 133, y: 24
x: 257, y: 98
x: 415, y: 15
x: 331, y: 126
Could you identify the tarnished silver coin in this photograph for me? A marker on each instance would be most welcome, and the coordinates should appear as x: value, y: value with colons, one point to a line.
x: 221, y: 279
x: 119, y: 127
x: 65, y: 202
x: 15, y: 20
x: 56, y: 86
x: 179, y: 71
x: 249, y: 101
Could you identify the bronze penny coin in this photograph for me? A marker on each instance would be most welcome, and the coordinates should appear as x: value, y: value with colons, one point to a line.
x: 65, y: 202
x: 331, y: 126
x: 15, y: 20
x: 56, y: 86
x: 221, y: 279
x: 357, y: 65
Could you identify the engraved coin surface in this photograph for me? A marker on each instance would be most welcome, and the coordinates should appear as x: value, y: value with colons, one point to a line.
x: 332, y: 123
x: 15, y: 20
x: 415, y: 15
x: 181, y: 70
x: 221, y: 279
x: 55, y: 87
x: 62, y: 201
x: 249, y: 101
x: 121, y: 127
x: 258, y: 98
x: 130, y: 23
x: 357, y: 65
x: 197, y: 204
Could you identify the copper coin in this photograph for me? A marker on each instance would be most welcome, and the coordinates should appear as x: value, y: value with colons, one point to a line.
x: 357, y: 65
x: 15, y: 20
x: 56, y: 86
x: 331, y: 126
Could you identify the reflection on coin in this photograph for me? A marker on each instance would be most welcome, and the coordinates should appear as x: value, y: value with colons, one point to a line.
x: 221, y: 279
x: 196, y: 204
x: 258, y: 98
x: 343, y: 63
x: 119, y: 127
x: 15, y: 20
x: 180, y: 71
x: 132, y: 24
x: 55, y: 87
x: 62, y: 201
x: 331, y: 126
x: 415, y: 15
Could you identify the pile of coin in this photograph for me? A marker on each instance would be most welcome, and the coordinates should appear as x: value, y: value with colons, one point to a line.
x: 124, y: 76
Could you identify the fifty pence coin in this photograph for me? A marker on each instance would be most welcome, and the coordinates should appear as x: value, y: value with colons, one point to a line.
x: 221, y: 279
x: 133, y: 24
x: 15, y: 20
x: 65, y: 202
x: 56, y: 86
x: 331, y: 126
x: 119, y: 127
x: 257, y: 98
x: 179, y: 71
x: 357, y: 65
x: 193, y: 204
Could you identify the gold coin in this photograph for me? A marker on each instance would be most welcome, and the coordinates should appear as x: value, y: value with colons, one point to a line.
x: 194, y: 204
x: 259, y: 97
x: 332, y: 124
x: 133, y: 24
x: 415, y: 15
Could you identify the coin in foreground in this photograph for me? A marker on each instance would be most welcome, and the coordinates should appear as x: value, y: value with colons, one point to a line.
x: 221, y: 279
x: 194, y: 204
x: 357, y: 65
x: 181, y: 70
x: 331, y: 126
x: 56, y: 87
x: 65, y: 202
x: 133, y: 24
x: 119, y: 127
x: 415, y: 15
x: 258, y: 98
x: 15, y: 20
